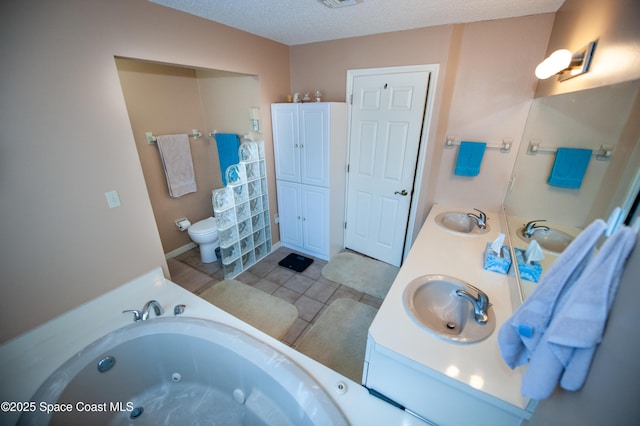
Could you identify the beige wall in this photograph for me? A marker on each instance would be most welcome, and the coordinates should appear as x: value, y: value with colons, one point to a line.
x: 226, y: 99
x: 168, y: 99
x: 66, y: 139
x: 165, y: 100
x: 615, y: 24
x: 483, y: 93
x: 494, y: 85
x: 323, y: 66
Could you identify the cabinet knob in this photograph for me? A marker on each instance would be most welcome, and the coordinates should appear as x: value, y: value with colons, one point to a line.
x: 403, y: 192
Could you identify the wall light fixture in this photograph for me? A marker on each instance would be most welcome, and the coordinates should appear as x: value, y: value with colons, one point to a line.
x: 254, y: 116
x: 566, y: 64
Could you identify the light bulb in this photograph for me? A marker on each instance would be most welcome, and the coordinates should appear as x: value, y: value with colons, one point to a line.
x: 556, y: 62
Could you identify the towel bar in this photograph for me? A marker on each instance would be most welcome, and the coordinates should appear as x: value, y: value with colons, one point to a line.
x: 603, y: 153
x: 505, y: 147
x: 195, y: 133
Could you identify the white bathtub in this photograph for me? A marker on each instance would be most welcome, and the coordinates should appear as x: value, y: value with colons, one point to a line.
x: 182, y: 371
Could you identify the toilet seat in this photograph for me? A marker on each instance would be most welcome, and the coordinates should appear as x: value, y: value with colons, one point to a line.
x: 204, y: 227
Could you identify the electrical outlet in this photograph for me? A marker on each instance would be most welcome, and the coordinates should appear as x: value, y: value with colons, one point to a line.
x: 113, y: 200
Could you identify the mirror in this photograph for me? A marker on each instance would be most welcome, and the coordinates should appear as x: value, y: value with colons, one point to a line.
x: 603, y: 117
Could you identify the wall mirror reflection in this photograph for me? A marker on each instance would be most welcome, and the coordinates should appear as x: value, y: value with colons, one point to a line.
x: 599, y: 119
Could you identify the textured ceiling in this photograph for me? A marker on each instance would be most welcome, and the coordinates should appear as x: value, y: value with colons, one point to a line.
x: 305, y: 21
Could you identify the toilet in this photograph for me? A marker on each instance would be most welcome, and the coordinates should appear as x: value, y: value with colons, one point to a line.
x: 205, y: 234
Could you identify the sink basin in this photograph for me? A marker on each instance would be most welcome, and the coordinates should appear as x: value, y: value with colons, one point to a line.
x: 460, y: 223
x: 431, y: 301
x: 552, y: 240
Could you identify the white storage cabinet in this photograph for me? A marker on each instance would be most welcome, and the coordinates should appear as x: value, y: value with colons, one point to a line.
x: 310, y: 146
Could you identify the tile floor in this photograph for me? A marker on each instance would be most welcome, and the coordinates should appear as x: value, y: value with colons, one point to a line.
x: 308, y: 291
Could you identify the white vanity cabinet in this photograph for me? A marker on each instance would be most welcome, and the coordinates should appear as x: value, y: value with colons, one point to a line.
x: 445, y: 382
x: 310, y: 145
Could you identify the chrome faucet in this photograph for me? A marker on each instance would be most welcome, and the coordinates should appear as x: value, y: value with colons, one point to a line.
x: 157, y: 307
x: 143, y: 315
x: 532, y: 227
x: 480, y: 303
x: 481, y: 219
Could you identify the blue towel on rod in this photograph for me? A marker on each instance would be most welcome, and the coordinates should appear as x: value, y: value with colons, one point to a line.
x: 522, y: 332
x: 565, y: 353
x: 228, y: 144
x: 469, y: 158
x: 569, y: 167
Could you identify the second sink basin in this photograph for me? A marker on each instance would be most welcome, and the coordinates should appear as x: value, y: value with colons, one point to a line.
x: 460, y: 223
x: 552, y: 240
x: 432, y: 302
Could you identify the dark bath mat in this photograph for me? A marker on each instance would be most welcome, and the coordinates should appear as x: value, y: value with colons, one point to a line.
x: 296, y: 262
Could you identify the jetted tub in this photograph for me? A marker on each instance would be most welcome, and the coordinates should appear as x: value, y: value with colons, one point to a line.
x: 181, y: 371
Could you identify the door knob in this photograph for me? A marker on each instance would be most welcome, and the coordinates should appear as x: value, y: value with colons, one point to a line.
x: 403, y: 192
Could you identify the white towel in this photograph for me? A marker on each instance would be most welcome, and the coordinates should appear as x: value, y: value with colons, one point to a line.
x: 567, y: 348
x: 175, y: 154
x: 519, y: 335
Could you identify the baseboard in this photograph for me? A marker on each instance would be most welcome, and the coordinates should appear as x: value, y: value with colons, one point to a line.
x: 177, y: 252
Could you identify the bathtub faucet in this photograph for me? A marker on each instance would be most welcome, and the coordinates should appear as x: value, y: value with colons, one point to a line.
x: 157, y: 307
x: 143, y: 315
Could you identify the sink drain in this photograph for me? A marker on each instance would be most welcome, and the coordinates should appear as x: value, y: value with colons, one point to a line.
x: 451, y: 325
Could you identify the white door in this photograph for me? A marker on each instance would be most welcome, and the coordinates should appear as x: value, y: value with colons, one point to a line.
x: 386, y: 122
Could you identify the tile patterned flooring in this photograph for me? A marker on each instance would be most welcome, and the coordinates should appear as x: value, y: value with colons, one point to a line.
x: 308, y: 291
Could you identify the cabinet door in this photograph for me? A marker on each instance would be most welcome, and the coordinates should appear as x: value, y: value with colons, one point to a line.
x: 314, y: 143
x: 289, y: 212
x: 284, y: 119
x: 315, y: 219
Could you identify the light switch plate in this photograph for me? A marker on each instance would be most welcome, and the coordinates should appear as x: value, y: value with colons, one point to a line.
x: 113, y: 200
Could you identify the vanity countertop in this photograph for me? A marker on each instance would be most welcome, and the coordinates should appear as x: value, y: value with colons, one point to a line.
x: 478, y: 365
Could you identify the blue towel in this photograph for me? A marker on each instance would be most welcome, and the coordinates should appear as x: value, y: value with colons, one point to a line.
x: 521, y: 333
x: 565, y: 353
x: 569, y: 167
x: 469, y: 158
x: 228, y: 144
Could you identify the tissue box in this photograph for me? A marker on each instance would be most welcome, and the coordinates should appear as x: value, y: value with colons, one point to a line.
x: 528, y: 271
x: 494, y: 263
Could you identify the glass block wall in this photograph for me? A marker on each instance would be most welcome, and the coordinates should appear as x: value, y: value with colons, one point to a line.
x: 241, y: 210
